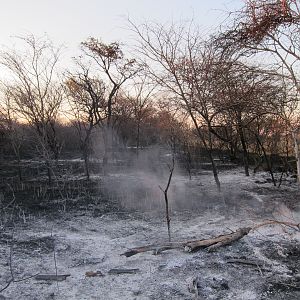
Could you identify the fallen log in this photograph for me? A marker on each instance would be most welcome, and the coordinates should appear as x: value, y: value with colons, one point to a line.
x: 155, y: 248
x: 50, y: 277
x: 122, y: 271
x: 217, y: 242
x: 191, y: 246
x: 211, y: 244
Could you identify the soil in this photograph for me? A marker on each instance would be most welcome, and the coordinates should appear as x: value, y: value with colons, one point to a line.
x: 90, y: 236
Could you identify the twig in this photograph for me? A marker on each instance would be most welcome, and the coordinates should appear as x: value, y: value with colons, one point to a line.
x: 7, y: 285
x: 54, y: 257
x: 248, y: 263
x: 295, y: 226
x: 28, y: 277
x: 13, y: 199
x: 12, y: 277
x: 165, y: 192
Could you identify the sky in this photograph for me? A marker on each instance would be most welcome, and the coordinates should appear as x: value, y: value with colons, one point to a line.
x: 70, y: 22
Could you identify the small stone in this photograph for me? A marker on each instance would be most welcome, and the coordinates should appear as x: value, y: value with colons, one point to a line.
x: 297, y: 276
x: 136, y: 293
x: 224, y: 285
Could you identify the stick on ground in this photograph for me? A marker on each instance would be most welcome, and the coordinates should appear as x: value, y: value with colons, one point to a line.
x: 190, y: 246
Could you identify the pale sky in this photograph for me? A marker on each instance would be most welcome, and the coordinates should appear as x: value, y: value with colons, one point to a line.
x: 72, y: 21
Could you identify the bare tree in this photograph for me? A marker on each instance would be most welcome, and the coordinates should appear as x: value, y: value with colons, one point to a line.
x: 14, y: 129
x: 141, y: 98
x: 34, y: 89
x: 271, y: 27
x: 181, y: 62
x: 88, y: 108
x: 114, y: 70
x: 245, y: 94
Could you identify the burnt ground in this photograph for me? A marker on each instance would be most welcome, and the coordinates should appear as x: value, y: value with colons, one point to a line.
x: 128, y: 212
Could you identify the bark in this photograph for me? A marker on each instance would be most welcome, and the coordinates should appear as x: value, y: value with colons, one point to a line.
x: 49, y: 172
x: 245, y: 152
x: 212, y: 243
x: 217, y: 242
x: 86, y: 152
x: 122, y: 271
x: 208, y: 150
x: 214, y: 169
x: 266, y: 158
x: 19, y: 169
x: 107, y: 138
x: 195, y: 245
x: 138, y: 138
x: 106, y: 150
x: 50, y: 277
x: 297, y: 152
x: 165, y: 191
x: 213, y: 164
x: 87, y: 166
x: 156, y: 249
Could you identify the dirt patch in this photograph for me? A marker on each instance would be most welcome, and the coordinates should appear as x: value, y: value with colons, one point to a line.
x: 90, y: 237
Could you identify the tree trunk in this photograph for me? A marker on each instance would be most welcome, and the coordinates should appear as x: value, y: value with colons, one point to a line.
x: 213, y: 164
x: 209, y: 152
x: 167, y: 214
x: 266, y: 158
x: 87, y: 166
x: 138, y: 138
x: 245, y: 152
x: 105, y: 155
x: 190, y: 246
x: 297, y: 152
x: 19, y: 169
x: 165, y: 191
x: 49, y: 172
x: 214, y: 169
x: 85, y: 148
x: 189, y: 163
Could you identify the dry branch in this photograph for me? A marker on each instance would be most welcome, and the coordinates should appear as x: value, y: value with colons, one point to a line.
x: 122, y: 271
x: 155, y: 248
x: 211, y: 244
x: 12, y: 276
x: 295, y: 226
x: 217, y: 242
x: 165, y: 191
x: 191, y: 246
x: 260, y: 266
x: 52, y: 277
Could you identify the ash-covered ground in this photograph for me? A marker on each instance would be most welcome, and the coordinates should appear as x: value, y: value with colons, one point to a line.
x: 131, y: 213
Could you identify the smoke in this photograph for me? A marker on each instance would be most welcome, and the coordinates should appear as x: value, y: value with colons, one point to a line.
x: 134, y: 182
x: 137, y: 186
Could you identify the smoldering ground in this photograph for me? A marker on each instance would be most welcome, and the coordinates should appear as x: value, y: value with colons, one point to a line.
x: 138, y: 187
x: 84, y: 241
x: 127, y: 210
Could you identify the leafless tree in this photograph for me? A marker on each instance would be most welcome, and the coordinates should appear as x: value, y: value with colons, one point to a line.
x: 271, y: 27
x: 181, y: 62
x: 114, y: 69
x: 141, y: 97
x: 88, y: 105
x: 14, y: 129
x: 34, y: 89
x: 245, y: 94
